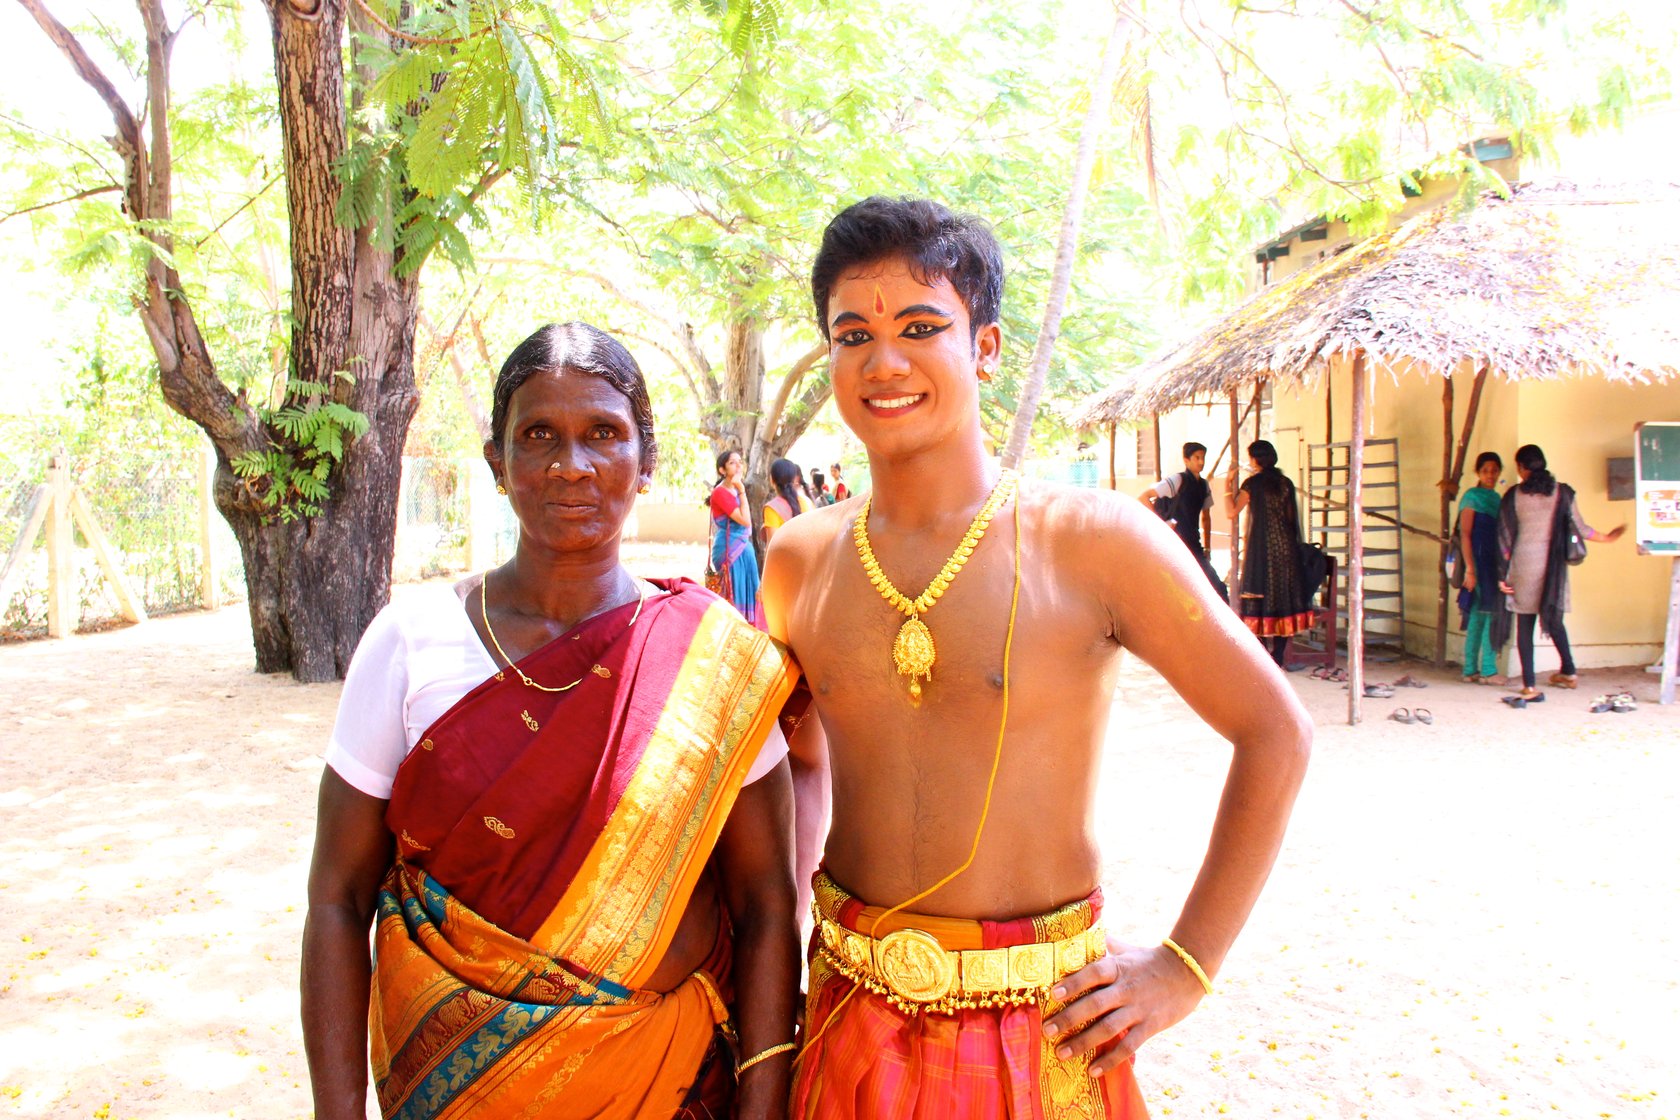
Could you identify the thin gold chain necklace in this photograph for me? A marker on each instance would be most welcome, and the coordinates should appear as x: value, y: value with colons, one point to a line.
x: 484, y: 612
x: 913, y: 652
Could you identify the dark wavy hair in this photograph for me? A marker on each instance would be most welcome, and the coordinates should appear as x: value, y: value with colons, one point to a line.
x: 578, y: 348
x: 1262, y: 452
x: 723, y: 458
x: 785, y: 475
x: 1533, y: 460
x: 1489, y: 457
x: 960, y: 248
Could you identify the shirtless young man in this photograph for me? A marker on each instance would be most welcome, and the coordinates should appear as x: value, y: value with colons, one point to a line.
x: 924, y: 1009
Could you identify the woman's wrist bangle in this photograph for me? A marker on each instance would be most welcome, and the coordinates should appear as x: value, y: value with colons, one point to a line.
x: 768, y: 1052
x: 1190, y: 963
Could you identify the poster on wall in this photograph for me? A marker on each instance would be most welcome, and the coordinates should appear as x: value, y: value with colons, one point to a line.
x: 1656, y: 493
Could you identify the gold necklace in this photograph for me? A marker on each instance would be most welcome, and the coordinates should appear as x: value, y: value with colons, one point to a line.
x: 484, y: 611
x: 913, y: 652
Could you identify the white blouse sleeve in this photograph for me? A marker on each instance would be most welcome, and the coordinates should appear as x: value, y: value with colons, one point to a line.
x: 368, y: 739
x: 775, y: 749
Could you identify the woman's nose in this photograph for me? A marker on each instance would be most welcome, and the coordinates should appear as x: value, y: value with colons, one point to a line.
x: 568, y: 461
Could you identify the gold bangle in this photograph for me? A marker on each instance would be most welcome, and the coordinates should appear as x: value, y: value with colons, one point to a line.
x: 1190, y: 963
x: 769, y: 1052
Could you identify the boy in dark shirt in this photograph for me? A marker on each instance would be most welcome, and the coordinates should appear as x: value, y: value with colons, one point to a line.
x: 1185, y: 502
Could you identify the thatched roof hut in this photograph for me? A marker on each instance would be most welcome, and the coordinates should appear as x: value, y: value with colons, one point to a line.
x: 1558, y: 280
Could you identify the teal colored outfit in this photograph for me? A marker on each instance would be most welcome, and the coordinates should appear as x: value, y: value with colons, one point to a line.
x: 1481, y: 656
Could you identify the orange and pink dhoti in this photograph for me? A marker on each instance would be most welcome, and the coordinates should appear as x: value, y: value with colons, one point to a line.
x: 924, y: 1018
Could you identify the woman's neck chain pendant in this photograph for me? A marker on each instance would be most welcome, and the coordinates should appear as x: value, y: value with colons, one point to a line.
x: 913, y: 651
x: 484, y: 612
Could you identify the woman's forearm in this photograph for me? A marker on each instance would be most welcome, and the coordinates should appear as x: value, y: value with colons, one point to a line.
x: 767, y: 987
x: 337, y: 974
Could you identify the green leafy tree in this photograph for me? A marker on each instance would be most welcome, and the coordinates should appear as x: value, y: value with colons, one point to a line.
x: 394, y: 124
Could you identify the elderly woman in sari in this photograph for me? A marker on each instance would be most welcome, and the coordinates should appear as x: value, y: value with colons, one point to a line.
x: 559, y: 795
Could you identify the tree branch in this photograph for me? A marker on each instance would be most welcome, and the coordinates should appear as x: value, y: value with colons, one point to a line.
x: 78, y: 196
x: 88, y: 70
x: 790, y: 381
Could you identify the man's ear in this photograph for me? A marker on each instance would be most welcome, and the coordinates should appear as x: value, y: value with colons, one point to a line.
x: 988, y: 346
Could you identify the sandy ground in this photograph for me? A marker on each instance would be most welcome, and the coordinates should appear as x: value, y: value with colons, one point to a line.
x: 1473, y: 918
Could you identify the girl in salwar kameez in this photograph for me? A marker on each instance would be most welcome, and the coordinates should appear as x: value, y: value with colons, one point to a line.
x: 733, y: 557
x: 1479, y: 598
x: 558, y: 793
x: 1536, y: 518
x: 1274, y: 602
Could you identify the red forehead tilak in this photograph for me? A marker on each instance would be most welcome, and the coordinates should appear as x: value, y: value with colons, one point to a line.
x: 880, y: 301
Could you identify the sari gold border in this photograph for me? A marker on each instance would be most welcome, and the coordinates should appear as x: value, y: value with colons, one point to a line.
x: 623, y: 907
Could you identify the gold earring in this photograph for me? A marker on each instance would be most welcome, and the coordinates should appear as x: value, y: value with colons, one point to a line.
x: 554, y: 466
x: 500, y: 489
x: 644, y: 489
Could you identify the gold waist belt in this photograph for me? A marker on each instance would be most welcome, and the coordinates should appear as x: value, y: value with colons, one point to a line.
x: 916, y: 973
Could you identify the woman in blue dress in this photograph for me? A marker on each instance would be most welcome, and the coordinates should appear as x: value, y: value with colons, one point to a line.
x: 733, y: 557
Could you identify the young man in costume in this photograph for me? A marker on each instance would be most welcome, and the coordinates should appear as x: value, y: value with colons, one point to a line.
x: 1189, y: 510
x: 961, y: 641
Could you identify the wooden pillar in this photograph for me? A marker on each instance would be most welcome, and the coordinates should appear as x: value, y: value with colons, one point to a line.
x: 1113, y: 474
x: 1454, y: 480
x: 62, y: 614
x: 1356, y: 545
x: 209, y: 579
x: 1671, y: 637
x: 1233, y: 578
x: 1449, y: 491
x: 1155, y: 434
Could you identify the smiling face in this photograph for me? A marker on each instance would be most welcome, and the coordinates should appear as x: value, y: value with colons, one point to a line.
x: 571, y: 459
x: 906, y: 365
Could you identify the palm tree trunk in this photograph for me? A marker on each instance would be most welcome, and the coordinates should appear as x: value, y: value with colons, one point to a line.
x: 1096, y: 116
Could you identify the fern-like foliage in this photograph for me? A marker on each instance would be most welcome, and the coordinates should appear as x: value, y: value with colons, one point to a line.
x: 309, y: 434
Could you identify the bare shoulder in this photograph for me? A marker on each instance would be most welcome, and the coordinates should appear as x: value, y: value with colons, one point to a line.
x: 801, y: 539
x: 800, y: 551
x: 1083, y: 525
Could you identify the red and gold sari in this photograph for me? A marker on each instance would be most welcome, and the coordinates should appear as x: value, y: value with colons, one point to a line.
x: 547, y: 848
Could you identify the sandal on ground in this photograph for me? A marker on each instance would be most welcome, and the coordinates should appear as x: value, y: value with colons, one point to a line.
x: 1600, y: 704
x: 1623, y: 702
x: 1513, y: 701
x: 1379, y: 691
x: 1401, y: 715
x: 1409, y: 681
x: 1564, y: 680
x: 1320, y: 672
x: 1336, y: 674
x: 1533, y: 695
x: 1423, y: 715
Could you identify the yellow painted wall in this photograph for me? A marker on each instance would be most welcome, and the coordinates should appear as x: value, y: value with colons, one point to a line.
x: 1619, y: 599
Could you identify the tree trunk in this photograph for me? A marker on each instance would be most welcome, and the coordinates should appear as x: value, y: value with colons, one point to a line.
x: 1032, y: 389
x: 313, y: 584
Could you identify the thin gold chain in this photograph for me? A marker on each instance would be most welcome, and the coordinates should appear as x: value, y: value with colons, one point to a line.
x: 484, y: 611
x: 922, y: 603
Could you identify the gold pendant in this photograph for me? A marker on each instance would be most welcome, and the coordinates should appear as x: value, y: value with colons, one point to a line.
x: 913, y: 654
